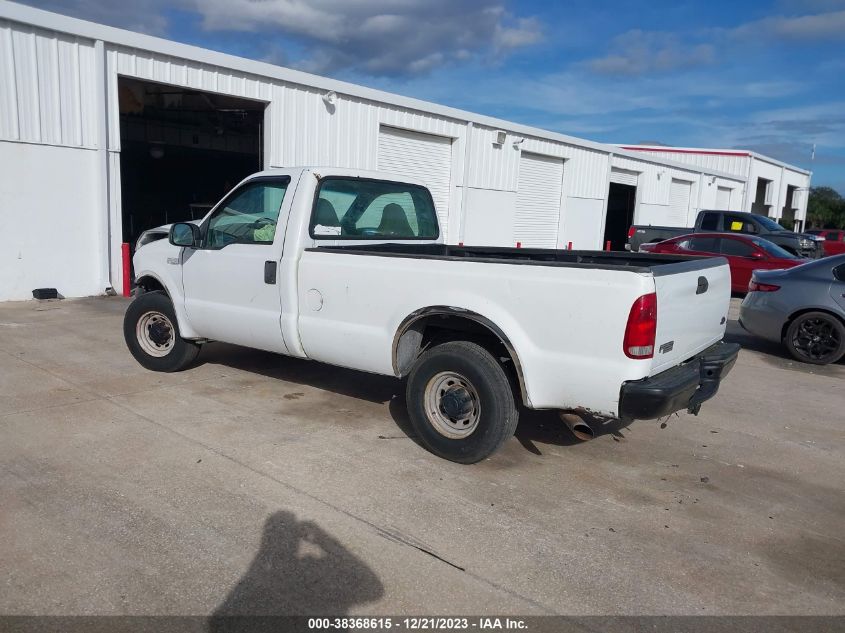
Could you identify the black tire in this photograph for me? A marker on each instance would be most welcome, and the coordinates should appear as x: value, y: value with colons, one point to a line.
x: 816, y: 337
x: 481, y: 382
x: 153, y: 312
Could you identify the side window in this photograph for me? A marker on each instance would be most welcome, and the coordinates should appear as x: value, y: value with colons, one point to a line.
x: 710, y: 222
x: 736, y: 248
x: 739, y: 224
x: 362, y: 209
x: 704, y: 245
x: 248, y: 216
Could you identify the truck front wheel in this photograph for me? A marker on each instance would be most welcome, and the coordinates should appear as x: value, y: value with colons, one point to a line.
x: 152, y: 334
x: 460, y: 402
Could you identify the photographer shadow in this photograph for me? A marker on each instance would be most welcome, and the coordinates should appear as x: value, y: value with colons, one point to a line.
x: 298, y: 570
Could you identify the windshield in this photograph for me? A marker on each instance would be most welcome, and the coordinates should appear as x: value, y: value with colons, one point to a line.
x: 770, y: 224
x: 774, y: 250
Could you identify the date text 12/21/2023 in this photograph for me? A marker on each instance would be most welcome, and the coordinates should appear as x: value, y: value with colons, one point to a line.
x: 417, y: 623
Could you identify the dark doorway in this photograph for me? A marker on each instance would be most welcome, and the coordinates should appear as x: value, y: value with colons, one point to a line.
x: 621, y: 202
x: 787, y: 214
x: 181, y: 150
x: 760, y: 206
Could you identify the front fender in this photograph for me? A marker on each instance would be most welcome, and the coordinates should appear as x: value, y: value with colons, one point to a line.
x: 162, y: 261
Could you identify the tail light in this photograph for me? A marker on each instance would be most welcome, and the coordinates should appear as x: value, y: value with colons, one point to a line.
x: 756, y: 286
x: 631, y: 232
x: 641, y: 329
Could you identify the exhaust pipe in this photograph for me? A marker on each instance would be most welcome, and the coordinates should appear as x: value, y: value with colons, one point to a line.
x: 576, y: 424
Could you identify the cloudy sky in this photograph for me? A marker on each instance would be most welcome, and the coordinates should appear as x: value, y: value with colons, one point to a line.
x: 767, y: 75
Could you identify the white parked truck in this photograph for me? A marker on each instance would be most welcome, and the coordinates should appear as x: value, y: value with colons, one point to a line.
x: 349, y: 267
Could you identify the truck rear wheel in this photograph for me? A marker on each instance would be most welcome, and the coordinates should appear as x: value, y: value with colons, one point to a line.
x: 152, y: 334
x: 460, y: 402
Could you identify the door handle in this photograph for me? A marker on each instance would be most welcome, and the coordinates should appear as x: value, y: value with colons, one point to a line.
x: 270, y: 272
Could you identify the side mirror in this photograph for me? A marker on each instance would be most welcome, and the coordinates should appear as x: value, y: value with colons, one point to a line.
x: 184, y: 234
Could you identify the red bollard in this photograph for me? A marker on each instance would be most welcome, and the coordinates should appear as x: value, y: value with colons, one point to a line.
x: 607, y: 246
x: 519, y: 244
x: 569, y: 247
x: 127, y: 274
x: 460, y: 243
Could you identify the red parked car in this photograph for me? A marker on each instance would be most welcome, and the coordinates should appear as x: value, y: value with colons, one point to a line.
x: 744, y: 253
x: 834, y: 240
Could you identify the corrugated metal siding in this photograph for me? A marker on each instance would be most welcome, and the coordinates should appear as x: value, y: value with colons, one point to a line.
x: 624, y: 176
x: 586, y: 174
x: 496, y: 166
x: 655, y: 179
x: 420, y: 156
x: 47, y: 87
x: 178, y: 72
x: 538, y: 201
x: 727, y: 163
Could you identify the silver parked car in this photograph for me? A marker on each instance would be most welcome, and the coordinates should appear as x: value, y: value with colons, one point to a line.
x: 802, y: 307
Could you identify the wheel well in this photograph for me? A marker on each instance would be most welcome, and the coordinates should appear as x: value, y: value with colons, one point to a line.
x: 797, y: 314
x: 427, y: 328
x: 151, y: 284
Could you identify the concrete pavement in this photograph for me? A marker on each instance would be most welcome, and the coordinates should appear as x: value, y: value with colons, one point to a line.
x: 253, y: 483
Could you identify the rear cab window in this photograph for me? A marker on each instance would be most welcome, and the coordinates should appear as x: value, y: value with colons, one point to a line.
x: 710, y: 222
x: 739, y: 224
x: 364, y: 209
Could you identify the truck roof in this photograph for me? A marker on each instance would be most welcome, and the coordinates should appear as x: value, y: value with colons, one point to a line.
x: 339, y: 171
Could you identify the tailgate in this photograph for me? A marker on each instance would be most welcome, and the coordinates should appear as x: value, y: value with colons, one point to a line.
x: 693, y: 298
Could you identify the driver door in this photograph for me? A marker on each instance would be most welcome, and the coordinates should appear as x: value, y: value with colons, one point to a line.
x: 231, y: 283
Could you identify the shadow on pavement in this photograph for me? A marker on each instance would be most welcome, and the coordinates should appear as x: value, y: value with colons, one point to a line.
x: 299, y: 570
x: 543, y: 427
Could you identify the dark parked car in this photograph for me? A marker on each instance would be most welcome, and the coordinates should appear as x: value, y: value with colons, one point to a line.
x: 744, y: 253
x: 743, y: 223
x: 804, y: 308
x: 834, y: 240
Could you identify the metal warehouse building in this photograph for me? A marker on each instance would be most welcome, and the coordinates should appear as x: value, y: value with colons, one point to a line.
x: 105, y: 133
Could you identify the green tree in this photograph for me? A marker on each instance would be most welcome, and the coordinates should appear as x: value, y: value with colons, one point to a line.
x: 825, y: 208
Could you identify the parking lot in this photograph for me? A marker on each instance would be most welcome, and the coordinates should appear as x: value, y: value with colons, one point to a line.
x: 253, y: 483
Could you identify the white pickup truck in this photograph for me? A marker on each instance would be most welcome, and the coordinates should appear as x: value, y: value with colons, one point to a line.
x: 349, y: 267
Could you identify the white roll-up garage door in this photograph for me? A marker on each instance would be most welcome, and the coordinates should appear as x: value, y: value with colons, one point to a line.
x: 679, y: 196
x: 723, y: 198
x: 538, y: 201
x: 424, y: 157
x: 623, y: 176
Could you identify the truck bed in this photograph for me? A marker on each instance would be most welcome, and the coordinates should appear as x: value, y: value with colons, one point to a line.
x: 657, y: 264
x: 566, y: 311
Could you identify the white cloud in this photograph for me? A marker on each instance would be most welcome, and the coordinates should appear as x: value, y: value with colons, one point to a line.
x: 140, y: 15
x: 639, y: 52
x: 379, y: 37
x: 810, y: 27
x: 373, y: 37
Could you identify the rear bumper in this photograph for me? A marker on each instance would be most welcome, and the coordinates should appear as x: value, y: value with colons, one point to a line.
x: 683, y: 387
